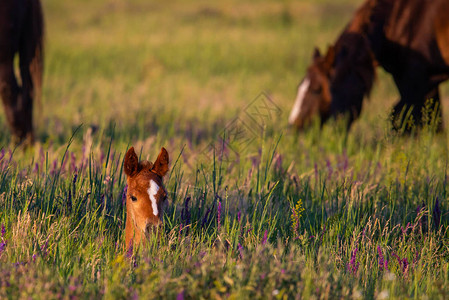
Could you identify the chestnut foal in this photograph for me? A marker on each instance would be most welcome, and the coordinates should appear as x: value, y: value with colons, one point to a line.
x: 145, y: 195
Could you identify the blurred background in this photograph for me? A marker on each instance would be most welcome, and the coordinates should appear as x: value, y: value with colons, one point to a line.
x: 152, y: 66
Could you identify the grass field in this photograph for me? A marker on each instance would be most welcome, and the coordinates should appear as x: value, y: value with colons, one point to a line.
x: 271, y: 214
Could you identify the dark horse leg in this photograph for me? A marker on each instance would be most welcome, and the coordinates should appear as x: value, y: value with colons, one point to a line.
x: 17, y: 114
x: 21, y: 32
x: 12, y: 95
x: 417, y: 97
x: 408, y: 114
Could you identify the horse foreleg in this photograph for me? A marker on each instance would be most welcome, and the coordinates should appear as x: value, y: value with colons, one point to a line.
x: 403, y: 116
x: 432, y: 109
x: 9, y: 90
x: 420, y: 100
x: 18, y: 115
x: 424, y: 111
x: 25, y: 102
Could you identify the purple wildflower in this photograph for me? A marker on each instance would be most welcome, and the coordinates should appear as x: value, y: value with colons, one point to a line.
x: 3, y: 230
x: 404, y: 265
x: 129, y: 252
x: 383, y: 264
x: 69, y: 201
x: 72, y: 161
x: 180, y: 232
x: 278, y: 162
x: 54, y: 167
x: 345, y: 161
x: 240, y: 247
x: 44, y: 249
x: 352, y: 265
x: 404, y: 231
x: 219, y: 215
x: 64, y: 163
x: 265, y: 236
x: 436, y: 214
x: 125, y: 190
x: 239, y: 215
x: 180, y: 296
x: 255, y: 162
x: 420, y: 207
x: 75, y: 177
x: 185, y: 213
x: 415, y: 260
x: 397, y: 257
x: 36, y: 168
x: 102, y: 156
x: 20, y: 263
x: 102, y: 201
x: 329, y: 168
x: 2, y: 246
x: 421, y: 213
x: 83, y: 150
x: 205, y: 218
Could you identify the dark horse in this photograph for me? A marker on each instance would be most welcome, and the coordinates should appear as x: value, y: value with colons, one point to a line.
x: 21, y: 32
x: 408, y: 38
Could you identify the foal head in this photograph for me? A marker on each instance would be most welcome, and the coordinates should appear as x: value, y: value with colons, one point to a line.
x: 336, y: 83
x: 145, y: 195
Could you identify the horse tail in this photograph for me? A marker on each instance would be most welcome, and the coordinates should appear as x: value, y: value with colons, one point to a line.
x: 34, y: 48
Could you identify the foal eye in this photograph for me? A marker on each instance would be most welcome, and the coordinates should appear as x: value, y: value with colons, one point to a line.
x: 317, y: 89
x: 133, y: 198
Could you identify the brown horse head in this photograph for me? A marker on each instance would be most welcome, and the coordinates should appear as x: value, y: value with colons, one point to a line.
x: 314, y: 97
x: 336, y: 83
x: 145, y: 195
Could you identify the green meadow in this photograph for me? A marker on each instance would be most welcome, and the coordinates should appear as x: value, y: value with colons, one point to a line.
x: 255, y: 209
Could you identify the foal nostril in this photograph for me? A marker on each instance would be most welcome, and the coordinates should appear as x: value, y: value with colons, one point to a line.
x: 149, y: 227
x: 158, y: 224
x: 152, y: 226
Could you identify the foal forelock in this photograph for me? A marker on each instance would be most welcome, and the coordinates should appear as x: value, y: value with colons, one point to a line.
x: 302, y: 90
x: 152, y: 192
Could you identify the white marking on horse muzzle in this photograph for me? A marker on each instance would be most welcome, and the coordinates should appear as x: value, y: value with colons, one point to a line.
x: 296, y: 110
x: 152, y: 192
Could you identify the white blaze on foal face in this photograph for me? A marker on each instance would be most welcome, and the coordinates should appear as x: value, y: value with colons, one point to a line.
x: 152, y: 192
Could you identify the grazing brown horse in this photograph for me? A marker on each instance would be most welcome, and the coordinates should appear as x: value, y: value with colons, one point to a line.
x: 408, y: 38
x: 21, y: 32
x: 145, y: 195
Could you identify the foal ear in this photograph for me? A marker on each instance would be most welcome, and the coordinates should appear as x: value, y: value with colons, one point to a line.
x: 316, y: 53
x: 131, y: 164
x: 160, y: 166
x: 330, y: 56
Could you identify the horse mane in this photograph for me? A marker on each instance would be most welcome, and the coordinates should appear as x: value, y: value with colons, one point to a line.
x: 355, y: 43
x: 353, y: 53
